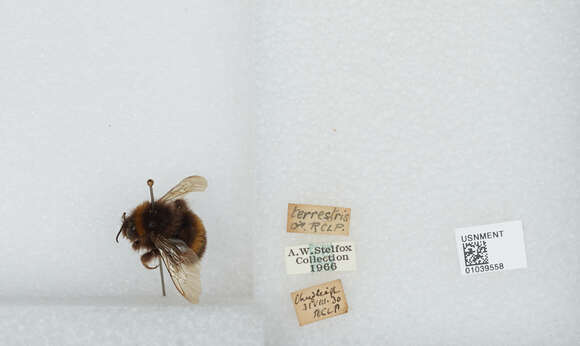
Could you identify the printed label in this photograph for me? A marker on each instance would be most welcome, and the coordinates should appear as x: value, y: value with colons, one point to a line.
x: 306, y: 218
x: 320, y: 302
x: 491, y: 248
x: 320, y: 257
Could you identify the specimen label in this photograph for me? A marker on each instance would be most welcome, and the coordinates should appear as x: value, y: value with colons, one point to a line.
x: 319, y: 302
x: 491, y: 248
x: 320, y: 257
x: 318, y: 219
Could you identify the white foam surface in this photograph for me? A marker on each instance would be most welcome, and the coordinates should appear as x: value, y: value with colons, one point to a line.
x: 420, y: 117
x: 95, y: 98
x: 423, y: 117
x: 127, y: 321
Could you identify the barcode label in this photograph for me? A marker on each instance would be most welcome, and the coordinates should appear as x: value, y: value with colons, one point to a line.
x: 489, y: 248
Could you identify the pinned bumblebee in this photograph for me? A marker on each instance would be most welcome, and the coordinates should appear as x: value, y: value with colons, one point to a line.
x: 169, y: 231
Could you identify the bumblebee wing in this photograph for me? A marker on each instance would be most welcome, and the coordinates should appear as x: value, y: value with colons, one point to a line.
x: 183, y: 266
x: 187, y: 185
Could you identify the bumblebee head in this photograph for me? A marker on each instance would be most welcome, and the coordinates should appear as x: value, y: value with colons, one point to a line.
x: 128, y: 228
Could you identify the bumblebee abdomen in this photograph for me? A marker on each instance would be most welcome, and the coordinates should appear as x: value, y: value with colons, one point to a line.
x: 199, y: 238
x: 192, y: 231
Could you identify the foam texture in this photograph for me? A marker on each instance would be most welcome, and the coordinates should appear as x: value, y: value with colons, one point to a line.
x: 95, y: 99
x: 145, y: 321
x: 420, y: 117
x: 423, y: 118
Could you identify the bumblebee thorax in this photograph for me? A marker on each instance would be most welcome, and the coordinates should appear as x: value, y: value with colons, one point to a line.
x: 152, y: 220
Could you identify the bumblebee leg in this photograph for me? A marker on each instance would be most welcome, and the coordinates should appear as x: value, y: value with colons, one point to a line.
x: 148, y: 257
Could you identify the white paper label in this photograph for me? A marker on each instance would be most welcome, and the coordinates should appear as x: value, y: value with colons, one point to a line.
x: 491, y: 248
x: 320, y: 257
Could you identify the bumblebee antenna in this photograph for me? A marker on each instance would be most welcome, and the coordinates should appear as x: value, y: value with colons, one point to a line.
x: 150, y: 183
x: 117, y: 238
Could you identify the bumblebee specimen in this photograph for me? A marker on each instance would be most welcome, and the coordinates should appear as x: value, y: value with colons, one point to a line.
x: 167, y: 228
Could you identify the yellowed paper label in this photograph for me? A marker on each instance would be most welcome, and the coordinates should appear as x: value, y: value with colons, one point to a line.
x: 320, y: 302
x: 318, y: 219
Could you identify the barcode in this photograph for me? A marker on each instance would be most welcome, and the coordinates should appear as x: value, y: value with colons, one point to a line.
x: 475, y: 253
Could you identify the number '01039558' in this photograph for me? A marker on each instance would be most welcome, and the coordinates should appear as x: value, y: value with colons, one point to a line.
x: 484, y: 268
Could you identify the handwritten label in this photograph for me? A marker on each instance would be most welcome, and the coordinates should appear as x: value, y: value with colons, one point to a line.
x: 306, y: 218
x: 320, y: 302
x: 491, y: 248
x: 320, y: 257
